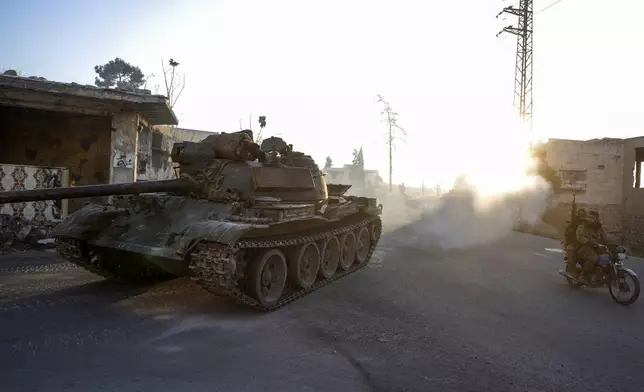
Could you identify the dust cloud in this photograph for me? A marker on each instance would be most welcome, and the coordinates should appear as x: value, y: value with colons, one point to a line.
x: 462, y: 218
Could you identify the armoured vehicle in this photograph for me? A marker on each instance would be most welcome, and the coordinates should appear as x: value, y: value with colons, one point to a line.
x: 256, y: 224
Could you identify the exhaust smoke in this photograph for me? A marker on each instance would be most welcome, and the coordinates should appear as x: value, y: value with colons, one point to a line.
x: 464, y: 217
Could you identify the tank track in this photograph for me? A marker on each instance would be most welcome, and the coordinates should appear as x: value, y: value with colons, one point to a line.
x: 72, y: 251
x: 210, y: 264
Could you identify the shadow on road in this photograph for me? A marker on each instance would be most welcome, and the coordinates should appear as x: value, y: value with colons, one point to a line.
x: 64, y: 290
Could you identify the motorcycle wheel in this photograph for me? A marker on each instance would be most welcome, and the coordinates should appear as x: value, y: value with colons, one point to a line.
x: 615, y: 285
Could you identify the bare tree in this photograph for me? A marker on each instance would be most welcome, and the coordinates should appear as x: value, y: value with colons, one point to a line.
x: 148, y: 78
x: 174, y: 83
x: 391, y: 119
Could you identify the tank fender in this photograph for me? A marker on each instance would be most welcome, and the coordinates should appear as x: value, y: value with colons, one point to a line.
x: 215, y: 231
x: 85, y: 222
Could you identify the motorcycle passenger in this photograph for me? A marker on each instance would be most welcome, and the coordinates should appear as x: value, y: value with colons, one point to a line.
x: 570, y: 241
x: 590, y: 234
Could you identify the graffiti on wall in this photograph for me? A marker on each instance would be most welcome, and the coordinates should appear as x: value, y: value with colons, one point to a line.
x: 18, y: 177
x: 123, y: 160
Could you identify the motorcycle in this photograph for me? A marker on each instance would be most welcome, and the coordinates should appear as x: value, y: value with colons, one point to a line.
x: 610, y: 272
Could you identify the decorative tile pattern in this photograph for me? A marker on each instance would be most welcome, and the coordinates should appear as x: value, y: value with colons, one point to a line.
x: 18, y: 177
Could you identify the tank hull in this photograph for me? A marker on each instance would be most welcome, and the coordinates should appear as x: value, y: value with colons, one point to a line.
x: 163, y: 236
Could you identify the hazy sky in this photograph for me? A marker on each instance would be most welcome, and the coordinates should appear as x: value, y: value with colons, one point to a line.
x: 314, y: 69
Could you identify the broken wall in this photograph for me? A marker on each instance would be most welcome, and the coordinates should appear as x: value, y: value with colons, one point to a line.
x: 633, y: 197
x: 79, y: 143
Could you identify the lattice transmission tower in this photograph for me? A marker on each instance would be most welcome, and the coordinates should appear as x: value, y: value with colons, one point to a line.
x: 523, y: 68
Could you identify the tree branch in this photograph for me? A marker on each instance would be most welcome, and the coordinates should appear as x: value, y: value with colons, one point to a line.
x: 400, y: 128
x: 165, y: 80
x: 183, y: 85
x: 172, y: 87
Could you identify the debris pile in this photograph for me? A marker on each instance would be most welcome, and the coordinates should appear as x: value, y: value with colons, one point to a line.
x: 19, y: 233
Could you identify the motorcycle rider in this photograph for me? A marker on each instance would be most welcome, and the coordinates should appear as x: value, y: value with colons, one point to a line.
x: 590, y: 234
x: 570, y: 241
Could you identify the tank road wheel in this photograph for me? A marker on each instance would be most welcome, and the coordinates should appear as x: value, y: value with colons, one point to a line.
x: 363, y: 245
x: 267, y: 276
x: 376, y: 229
x: 347, y: 250
x: 329, y: 258
x: 304, y: 265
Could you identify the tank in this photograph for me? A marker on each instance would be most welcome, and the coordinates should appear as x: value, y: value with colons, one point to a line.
x: 258, y: 224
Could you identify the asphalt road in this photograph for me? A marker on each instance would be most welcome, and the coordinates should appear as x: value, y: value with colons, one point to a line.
x: 489, y: 318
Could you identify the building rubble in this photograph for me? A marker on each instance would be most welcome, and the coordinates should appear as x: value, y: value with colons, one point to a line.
x: 19, y: 233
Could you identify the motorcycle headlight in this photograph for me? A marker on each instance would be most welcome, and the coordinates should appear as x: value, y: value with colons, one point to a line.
x: 621, y: 256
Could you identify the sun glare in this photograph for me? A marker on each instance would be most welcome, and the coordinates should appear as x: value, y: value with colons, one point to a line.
x: 502, y: 164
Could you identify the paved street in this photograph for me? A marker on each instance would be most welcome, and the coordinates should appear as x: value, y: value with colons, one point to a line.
x: 489, y: 318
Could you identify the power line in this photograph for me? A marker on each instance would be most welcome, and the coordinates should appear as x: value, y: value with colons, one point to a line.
x: 545, y: 8
x: 541, y: 10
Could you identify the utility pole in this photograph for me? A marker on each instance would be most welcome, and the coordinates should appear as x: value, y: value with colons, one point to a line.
x: 523, y: 68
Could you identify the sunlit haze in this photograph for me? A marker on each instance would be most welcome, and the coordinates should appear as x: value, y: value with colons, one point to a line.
x: 314, y: 69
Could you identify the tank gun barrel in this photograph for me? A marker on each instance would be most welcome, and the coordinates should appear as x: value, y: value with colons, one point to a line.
x: 126, y: 188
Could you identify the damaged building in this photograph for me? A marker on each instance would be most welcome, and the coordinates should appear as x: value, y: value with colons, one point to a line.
x: 155, y: 146
x: 65, y: 134
x: 605, y: 175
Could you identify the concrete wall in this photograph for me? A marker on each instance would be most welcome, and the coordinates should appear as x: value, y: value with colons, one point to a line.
x: 79, y: 143
x: 183, y: 134
x: 601, y: 159
x: 155, y: 146
x: 124, y: 146
x: 633, y: 198
x: 610, y: 187
x: 598, y: 165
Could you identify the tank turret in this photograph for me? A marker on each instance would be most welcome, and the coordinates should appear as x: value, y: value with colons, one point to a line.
x: 257, y: 224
